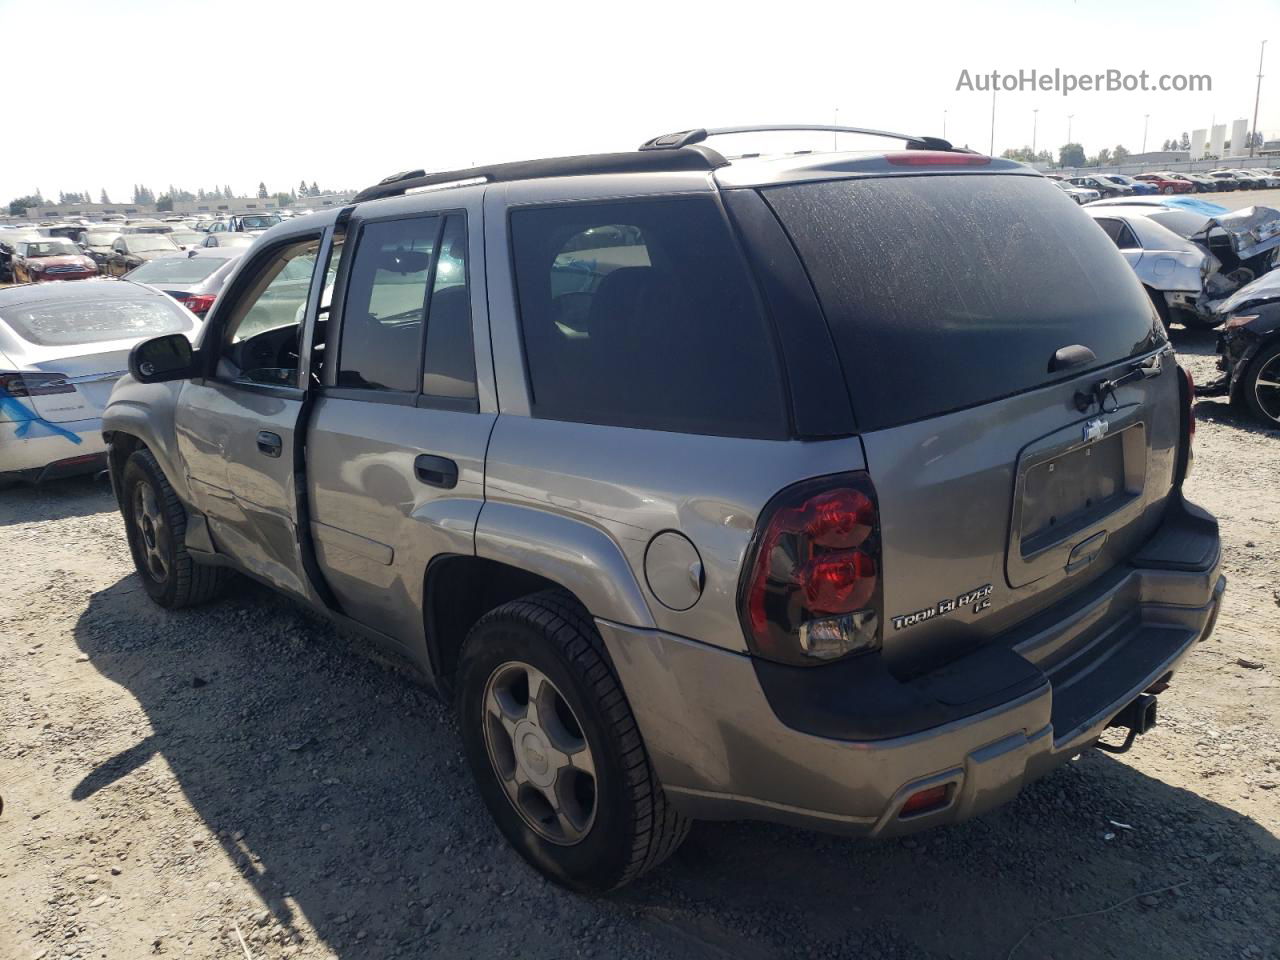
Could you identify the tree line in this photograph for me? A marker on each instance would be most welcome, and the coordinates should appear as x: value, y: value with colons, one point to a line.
x: 164, y: 201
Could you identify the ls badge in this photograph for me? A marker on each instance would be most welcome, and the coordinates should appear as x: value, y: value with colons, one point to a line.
x: 979, y: 599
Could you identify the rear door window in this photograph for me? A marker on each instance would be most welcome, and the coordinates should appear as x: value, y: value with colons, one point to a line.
x: 947, y: 291
x: 1119, y: 233
x: 449, y: 366
x: 386, y: 304
x: 642, y: 314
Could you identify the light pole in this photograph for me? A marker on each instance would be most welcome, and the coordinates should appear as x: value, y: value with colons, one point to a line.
x: 1035, y: 123
x: 944, y: 124
x: 834, y: 135
x: 1070, y: 117
x: 1257, y: 94
x: 1146, y: 120
x: 992, y: 151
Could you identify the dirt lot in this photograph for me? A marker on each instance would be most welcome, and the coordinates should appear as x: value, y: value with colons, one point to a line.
x: 173, y: 782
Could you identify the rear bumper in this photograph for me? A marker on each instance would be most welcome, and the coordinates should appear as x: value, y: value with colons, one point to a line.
x: 47, y: 450
x: 723, y: 750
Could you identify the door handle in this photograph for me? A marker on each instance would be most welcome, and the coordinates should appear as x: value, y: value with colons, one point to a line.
x: 269, y: 443
x: 436, y: 471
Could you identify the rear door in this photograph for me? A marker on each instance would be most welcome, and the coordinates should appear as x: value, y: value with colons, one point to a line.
x: 396, y: 445
x: 1005, y: 480
x: 236, y: 425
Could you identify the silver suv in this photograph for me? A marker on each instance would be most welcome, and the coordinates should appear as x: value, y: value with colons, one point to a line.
x: 843, y: 490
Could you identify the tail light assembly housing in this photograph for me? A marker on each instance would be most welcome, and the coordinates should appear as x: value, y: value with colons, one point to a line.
x: 199, y: 303
x: 13, y: 384
x: 811, y: 588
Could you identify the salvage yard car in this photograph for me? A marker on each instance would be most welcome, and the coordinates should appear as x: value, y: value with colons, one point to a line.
x: 1106, y: 186
x: 1078, y: 194
x: 1249, y: 348
x: 193, y: 280
x: 132, y: 250
x: 922, y: 540
x: 62, y: 348
x: 36, y: 261
x: 1187, y: 260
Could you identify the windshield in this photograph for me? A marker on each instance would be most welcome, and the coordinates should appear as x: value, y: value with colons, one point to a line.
x: 177, y: 270
x: 186, y: 236
x: 52, y: 248
x: 150, y: 241
x: 947, y: 291
x: 100, y: 239
x: 259, y: 223
x: 58, y: 323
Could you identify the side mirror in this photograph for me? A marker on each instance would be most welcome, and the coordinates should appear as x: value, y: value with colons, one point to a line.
x: 162, y: 359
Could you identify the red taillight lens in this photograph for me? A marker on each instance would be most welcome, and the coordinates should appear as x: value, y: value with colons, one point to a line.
x: 34, y: 384
x: 199, y: 303
x: 811, y: 586
x: 936, y: 158
x: 930, y: 798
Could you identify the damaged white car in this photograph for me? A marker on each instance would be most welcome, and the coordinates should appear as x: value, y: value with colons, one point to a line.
x: 1187, y: 261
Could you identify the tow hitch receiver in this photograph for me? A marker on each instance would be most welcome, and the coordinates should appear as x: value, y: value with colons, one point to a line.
x: 1138, y: 717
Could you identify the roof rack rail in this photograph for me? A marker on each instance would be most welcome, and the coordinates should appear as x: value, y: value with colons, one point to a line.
x: 694, y: 158
x: 687, y: 138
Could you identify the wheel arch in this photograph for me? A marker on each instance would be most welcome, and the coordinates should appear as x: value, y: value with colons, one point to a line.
x: 522, y: 550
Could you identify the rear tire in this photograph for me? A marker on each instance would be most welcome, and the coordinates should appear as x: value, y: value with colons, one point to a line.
x: 591, y: 832
x: 156, y: 525
x: 1264, y: 367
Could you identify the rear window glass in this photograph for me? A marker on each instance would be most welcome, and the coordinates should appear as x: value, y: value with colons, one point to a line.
x: 61, y: 323
x: 641, y: 314
x: 177, y: 269
x: 946, y: 291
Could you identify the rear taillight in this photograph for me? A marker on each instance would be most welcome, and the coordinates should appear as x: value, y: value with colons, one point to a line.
x: 199, y: 303
x: 811, y: 586
x: 34, y: 384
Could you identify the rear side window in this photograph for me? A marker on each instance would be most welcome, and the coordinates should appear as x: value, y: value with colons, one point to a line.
x: 1119, y: 233
x: 449, y: 367
x: 642, y: 314
x: 946, y: 291
x: 386, y: 303
x: 61, y: 323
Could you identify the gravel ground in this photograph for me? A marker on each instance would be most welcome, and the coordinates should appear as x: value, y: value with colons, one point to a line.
x: 174, y: 782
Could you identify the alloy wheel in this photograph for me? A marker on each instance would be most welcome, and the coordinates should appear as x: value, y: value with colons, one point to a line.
x: 1266, y: 388
x: 153, y: 532
x: 539, y: 753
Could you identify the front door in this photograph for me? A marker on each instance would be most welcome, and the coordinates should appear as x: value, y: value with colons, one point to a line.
x: 236, y: 426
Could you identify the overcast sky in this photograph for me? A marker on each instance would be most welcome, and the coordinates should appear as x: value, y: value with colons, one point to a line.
x: 201, y: 93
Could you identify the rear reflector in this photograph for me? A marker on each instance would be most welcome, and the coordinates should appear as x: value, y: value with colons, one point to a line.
x: 928, y: 799
x: 937, y: 158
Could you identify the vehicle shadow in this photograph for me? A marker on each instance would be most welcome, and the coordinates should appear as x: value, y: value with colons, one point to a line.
x: 335, y: 784
x: 1197, y: 342
x: 55, y: 500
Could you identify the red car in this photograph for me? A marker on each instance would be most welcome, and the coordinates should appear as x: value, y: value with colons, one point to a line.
x: 1166, y: 183
x: 51, y: 259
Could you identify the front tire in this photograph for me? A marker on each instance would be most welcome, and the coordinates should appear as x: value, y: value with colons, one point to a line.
x: 1260, y: 386
x: 156, y: 525
x: 555, y: 749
